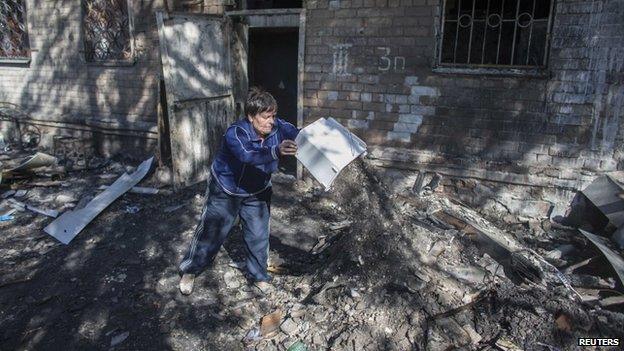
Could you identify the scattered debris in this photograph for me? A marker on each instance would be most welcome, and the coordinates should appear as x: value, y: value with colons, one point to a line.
x: 38, y: 160
x: 612, y: 301
x: 603, y: 193
x: 136, y: 190
x: 132, y: 209
x: 20, y: 193
x: 340, y: 225
x: 66, y: 227
x: 252, y: 335
x: 289, y: 326
x: 506, y: 345
x: 119, y: 338
x: 298, y: 346
x: 269, y: 324
x: 475, y: 337
x: 616, y: 260
x: 563, y: 323
x: 8, y: 194
x: 560, y: 251
x: 6, y: 218
x: 22, y: 207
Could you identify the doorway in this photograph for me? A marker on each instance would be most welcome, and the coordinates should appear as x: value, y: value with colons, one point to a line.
x: 273, y: 65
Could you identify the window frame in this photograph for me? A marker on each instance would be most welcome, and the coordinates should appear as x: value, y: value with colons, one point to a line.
x: 131, y: 38
x: 489, y: 69
x: 27, y: 58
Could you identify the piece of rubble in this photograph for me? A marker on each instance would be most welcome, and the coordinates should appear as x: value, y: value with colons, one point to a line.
x: 298, y: 346
x: 38, y: 160
x: 507, y: 345
x: 20, y: 193
x: 6, y: 218
x: 340, y: 225
x: 354, y: 293
x: 560, y: 251
x: 603, y: 193
x: 269, y: 324
x: 136, y: 190
x: 231, y: 281
x: 472, y: 333
x: 66, y: 227
x: 289, y: 327
x: 252, y: 335
x: 589, y: 295
x: 580, y: 264
x: 591, y: 282
x: 23, y: 206
x: 132, y: 209
x: 612, y: 300
x: 616, y: 260
x: 563, y: 323
x: 8, y: 194
x: 119, y: 338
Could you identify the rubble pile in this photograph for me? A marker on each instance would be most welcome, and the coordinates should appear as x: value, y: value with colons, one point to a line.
x: 401, y: 278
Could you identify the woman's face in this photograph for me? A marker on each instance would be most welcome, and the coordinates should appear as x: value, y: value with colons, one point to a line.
x: 263, y: 122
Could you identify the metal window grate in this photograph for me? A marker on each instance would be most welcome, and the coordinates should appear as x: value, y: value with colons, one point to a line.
x: 106, y: 30
x: 13, y: 32
x: 495, y: 32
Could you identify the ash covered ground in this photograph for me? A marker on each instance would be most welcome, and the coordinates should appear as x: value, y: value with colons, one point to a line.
x: 357, y: 268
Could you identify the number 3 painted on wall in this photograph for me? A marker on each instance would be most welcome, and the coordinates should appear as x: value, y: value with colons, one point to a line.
x: 385, y: 57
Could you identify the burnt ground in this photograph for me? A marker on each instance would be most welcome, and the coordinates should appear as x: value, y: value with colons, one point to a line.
x: 393, y: 278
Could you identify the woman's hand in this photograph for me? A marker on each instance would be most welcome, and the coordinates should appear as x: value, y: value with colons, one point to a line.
x: 288, y: 147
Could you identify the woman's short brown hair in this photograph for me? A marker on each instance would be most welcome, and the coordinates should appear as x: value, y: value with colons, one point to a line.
x: 259, y: 101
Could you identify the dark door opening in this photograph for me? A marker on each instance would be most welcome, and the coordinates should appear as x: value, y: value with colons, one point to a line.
x: 273, y: 60
x: 273, y: 4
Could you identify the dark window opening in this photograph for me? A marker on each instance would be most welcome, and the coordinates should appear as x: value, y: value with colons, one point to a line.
x: 273, y: 4
x: 106, y: 30
x: 13, y: 32
x: 495, y: 32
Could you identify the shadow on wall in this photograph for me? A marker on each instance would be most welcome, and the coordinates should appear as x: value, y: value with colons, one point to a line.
x: 65, y: 95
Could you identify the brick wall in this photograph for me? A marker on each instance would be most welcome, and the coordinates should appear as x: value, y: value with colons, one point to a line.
x: 369, y: 63
x: 59, y: 87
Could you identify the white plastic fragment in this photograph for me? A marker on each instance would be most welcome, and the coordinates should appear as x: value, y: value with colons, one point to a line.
x: 325, y: 147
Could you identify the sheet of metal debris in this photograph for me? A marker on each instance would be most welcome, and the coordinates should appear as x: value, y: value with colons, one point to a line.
x: 66, y: 227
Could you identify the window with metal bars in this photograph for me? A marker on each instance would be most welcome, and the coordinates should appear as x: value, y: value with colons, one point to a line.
x: 107, y: 31
x: 13, y: 32
x: 503, y: 33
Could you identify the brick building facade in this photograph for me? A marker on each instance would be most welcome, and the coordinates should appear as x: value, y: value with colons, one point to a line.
x: 375, y: 66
